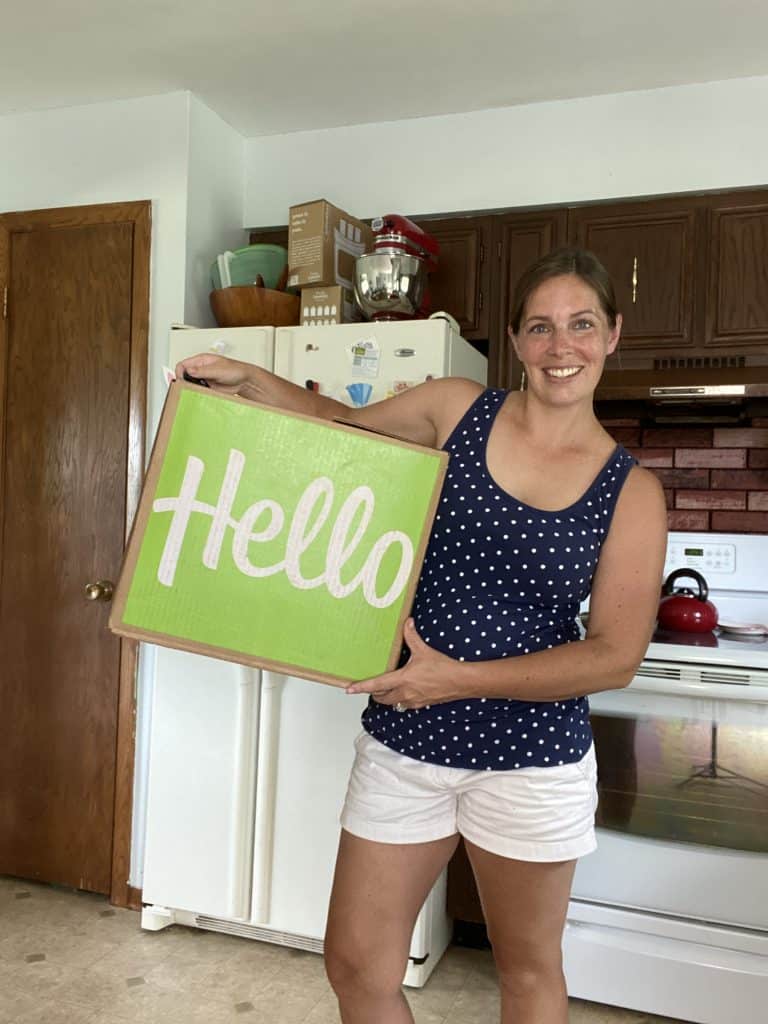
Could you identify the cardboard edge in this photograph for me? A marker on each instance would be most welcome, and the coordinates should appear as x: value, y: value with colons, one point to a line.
x: 335, y: 423
x: 175, y: 643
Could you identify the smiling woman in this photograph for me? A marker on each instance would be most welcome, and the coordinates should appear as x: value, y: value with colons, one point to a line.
x: 564, y: 321
x: 483, y: 731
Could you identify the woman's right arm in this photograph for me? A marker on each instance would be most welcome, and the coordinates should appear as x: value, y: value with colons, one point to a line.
x: 424, y: 414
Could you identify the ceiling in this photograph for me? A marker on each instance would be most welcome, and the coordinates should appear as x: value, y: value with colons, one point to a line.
x: 273, y: 66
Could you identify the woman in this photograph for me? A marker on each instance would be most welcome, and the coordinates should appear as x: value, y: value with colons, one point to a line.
x: 484, y: 731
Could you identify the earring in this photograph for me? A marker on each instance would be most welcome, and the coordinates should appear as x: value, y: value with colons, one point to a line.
x: 522, y: 380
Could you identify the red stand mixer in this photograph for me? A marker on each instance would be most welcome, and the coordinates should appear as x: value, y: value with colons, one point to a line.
x: 391, y: 281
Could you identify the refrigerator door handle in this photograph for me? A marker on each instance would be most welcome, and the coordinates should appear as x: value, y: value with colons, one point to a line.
x: 241, y: 856
x: 266, y: 784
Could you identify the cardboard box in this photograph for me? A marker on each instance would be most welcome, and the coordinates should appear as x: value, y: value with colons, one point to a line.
x: 323, y: 244
x: 331, y: 305
x: 276, y: 540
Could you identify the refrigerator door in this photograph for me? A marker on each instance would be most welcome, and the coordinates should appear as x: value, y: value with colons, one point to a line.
x: 307, y: 734
x: 201, y: 785
x: 362, y: 363
x: 249, y: 344
x: 306, y: 749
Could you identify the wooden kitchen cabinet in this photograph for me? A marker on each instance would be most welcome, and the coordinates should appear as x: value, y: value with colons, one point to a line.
x: 519, y: 239
x: 654, y: 253
x: 269, y: 236
x: 736, y: 307
x: 690, y: 272
x: 461, y: 283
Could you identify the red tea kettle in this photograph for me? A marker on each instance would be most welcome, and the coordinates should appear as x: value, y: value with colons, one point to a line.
x: 683, y: 610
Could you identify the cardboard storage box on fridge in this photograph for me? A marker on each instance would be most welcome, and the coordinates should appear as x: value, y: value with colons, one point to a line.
x: 329, y: 304
x: 323, y: 244
x: 277, y: 540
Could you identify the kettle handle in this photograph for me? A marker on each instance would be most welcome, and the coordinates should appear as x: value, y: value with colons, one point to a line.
x: 692, y: 574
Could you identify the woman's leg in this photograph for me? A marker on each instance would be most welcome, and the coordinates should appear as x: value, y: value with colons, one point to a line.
x: 525, y: 905
x: 378, y: 891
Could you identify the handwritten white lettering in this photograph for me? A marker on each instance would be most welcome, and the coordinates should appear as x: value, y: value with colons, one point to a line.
x: 310, y: 515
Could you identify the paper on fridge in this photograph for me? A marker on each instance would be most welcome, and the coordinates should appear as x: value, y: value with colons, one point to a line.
x: 277, y: 540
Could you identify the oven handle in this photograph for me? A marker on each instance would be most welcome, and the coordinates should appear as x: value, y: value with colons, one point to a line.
x: 743, y: 692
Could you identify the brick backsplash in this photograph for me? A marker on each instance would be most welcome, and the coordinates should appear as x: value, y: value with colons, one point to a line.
x: 714, y: 478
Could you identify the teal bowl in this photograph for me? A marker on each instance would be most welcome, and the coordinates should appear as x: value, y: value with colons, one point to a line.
x: 246, y: 263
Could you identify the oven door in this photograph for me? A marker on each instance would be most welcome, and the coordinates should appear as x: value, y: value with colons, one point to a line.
x: 683, y: 782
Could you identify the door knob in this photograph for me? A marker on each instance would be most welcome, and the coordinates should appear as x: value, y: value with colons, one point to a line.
x: 101, y: 590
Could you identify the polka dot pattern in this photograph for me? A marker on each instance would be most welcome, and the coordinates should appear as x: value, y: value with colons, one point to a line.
x: 501, y: 579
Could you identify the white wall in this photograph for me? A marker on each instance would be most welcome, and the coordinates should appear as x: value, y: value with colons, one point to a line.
x: 105, y: 153
x: 214, y: 205
x: 643, y: 143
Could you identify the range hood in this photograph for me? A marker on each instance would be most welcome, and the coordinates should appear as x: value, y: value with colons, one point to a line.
x: 722, y: 385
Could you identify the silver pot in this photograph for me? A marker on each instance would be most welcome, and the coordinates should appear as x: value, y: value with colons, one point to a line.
x: 389, y: 284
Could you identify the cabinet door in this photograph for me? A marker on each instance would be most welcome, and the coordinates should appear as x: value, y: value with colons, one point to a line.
x: 650, y: 251
x: 269, y: 236
x: 520, y: 239
x: 460, y: 283
x: 737, y: 286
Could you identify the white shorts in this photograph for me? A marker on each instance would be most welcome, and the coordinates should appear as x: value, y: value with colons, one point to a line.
x: 534, y: 814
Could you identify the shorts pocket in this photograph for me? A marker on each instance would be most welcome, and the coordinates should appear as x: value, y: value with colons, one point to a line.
x: 588, y: 766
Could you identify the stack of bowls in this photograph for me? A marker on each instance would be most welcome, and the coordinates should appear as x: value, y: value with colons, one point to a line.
x: 241, y: 302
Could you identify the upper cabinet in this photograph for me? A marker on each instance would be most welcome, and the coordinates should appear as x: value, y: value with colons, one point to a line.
x: 269, y: 236
x: 690, y: 273
x: 736, y: 307
x: 651, y: 250
x: 519, y: 239
x: 461, y: 284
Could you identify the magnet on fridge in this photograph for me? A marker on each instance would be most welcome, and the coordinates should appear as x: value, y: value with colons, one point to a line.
x: 365, y: 358
x: 359, y: 393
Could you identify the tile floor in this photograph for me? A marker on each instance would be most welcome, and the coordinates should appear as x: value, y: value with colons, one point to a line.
x: 70, y: 958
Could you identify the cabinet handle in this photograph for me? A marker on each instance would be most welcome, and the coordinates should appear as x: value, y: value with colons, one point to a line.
x: 634, y: 280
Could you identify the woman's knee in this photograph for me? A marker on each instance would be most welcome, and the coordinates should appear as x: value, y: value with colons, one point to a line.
x: 522, y: 972
x: 352, y: 967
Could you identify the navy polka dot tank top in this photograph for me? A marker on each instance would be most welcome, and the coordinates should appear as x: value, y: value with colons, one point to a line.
x: 501, y: 579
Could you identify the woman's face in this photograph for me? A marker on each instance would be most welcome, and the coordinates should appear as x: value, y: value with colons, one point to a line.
x: 564, y: 339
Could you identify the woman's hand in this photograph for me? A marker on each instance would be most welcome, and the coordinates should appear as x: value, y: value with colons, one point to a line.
x: 429, y: 677
x: 227, y: 375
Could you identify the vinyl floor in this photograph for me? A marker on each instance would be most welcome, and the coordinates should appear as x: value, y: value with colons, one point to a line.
x: 70, y: 958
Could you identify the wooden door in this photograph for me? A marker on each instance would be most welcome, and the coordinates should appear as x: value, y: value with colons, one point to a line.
x: 652, y: 251
x: 737, y: 286
x: 74, y: 360
x: 460, y: 285
x: 521, y: 239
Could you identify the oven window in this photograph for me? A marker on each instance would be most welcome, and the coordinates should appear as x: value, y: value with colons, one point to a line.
x: 688, y: 780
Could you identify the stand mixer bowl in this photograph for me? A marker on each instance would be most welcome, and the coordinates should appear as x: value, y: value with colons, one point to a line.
x: 389, y: 285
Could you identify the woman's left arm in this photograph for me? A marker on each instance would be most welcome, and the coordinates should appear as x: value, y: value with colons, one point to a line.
x: 622, y: 612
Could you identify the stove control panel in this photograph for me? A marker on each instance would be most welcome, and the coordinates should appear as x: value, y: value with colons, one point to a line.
x: 707, y: 557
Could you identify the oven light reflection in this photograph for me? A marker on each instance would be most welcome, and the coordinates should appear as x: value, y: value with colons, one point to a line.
x: 687, y: 780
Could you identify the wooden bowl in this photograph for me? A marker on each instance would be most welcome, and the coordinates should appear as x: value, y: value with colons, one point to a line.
x: 249, y: 306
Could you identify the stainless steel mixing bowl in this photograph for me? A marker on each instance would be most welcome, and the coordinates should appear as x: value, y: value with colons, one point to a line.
x: 389, y: 284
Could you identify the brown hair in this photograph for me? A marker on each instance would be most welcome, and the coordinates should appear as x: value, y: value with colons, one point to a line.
x: 581, y: 262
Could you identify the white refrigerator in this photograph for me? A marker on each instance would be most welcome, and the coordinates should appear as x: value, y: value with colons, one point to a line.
x: 247, y: 769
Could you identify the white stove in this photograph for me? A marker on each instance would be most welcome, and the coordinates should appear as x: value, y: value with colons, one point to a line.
x: 735, y: 567
x: 670, y: 915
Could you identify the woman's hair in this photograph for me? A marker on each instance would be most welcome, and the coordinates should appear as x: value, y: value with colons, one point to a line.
x: 581, y: 262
